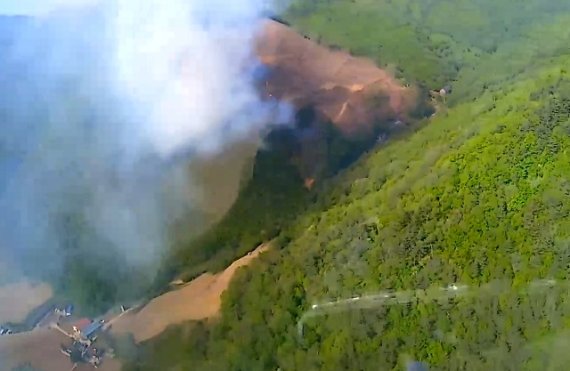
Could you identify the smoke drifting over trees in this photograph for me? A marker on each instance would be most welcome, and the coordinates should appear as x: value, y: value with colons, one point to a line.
x: 102, y: 106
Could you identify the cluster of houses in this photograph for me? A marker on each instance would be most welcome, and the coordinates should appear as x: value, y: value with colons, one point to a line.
x: 82, y: 348
x: 82, y: 332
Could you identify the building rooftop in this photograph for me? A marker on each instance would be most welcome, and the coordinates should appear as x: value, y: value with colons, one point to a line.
x: 91, y: 328
x: 82, y: 323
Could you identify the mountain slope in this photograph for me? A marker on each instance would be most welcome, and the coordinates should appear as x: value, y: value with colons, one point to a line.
x: 429, y: 41
x: 480, y: 193
x: 340, y: 87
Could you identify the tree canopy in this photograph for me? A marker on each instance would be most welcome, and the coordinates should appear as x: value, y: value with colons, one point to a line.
x: 480, y: 192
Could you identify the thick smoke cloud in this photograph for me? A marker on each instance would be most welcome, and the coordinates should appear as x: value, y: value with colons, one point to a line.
x: 102, y: 106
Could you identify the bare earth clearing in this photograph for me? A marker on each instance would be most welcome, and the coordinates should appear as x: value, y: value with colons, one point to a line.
x: 199, y: 299
x: 350, y: 91
x: 40, y: 349
x: 18, y: 299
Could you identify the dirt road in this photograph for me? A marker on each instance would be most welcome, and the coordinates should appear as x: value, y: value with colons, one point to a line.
x: 431, y: 294
x: 197, y: 300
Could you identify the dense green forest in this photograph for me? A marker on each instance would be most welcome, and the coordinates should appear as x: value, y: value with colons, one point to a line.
x: 435, y: 41
x: 478, y: 193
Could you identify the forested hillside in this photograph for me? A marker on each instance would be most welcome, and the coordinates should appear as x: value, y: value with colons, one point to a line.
x: 434, y: 41
x: 479, y: 193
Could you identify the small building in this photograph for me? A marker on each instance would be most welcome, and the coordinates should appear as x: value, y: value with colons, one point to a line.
x: 91, y: 330
x: 65, y: 311
x: 81, y: 324
x: 40, y: 316
x: 5, y: 330
x: 445, y: 90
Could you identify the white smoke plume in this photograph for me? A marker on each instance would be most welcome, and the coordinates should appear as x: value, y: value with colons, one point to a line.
x: 102, y: 105
x: 194, y: 57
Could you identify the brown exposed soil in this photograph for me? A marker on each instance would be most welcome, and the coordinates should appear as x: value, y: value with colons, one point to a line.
x: 40, y: 349
x: 351, y: 92
x: 199, y: 299
x: 18, y: 299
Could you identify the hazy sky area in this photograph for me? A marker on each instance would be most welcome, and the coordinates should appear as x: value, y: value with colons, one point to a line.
x: 34, y: 7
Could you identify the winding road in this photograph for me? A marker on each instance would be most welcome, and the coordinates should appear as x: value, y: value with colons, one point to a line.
x: 385, y: 298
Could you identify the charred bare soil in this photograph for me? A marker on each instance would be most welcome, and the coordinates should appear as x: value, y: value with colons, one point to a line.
x: 351, y: 92
x: 343, y: 103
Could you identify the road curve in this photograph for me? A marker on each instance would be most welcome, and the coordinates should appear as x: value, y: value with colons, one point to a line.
x: 385, y: 298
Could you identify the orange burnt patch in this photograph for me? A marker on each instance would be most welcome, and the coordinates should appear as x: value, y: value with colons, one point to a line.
x: 351, y: 92
x: 309, y: 183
